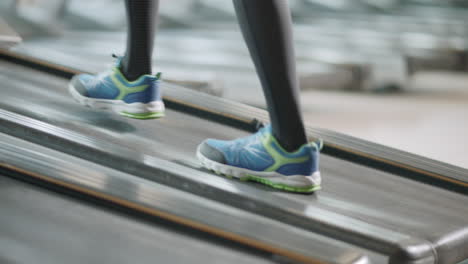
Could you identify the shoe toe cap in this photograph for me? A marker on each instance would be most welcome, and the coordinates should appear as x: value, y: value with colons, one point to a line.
x: 78, y: 82
x: 208, y: 149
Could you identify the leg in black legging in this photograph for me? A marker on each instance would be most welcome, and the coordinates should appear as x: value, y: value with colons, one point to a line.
x: 267, y: 29
x: 141, y: 17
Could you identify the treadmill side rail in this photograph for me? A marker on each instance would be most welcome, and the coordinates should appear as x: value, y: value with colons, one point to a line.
x: 66, y: 172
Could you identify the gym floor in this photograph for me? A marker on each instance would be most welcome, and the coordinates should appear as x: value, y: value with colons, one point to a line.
x: 431, y: 125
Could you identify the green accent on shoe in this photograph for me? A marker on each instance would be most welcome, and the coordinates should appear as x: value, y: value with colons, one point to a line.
x: 150, y: 115
x: 307, y: 189
x: 318, y: 144
x: 280, y: 160
x: 124, y: 90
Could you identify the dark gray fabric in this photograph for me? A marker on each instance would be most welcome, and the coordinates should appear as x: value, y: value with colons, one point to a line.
x: 78, y: 85
x: 267, y: 29
x: 212, y: 153
x: 141, y: 17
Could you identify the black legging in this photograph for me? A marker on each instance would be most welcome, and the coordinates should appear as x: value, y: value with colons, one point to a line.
x: 141, y: 18
x: 267, y: 29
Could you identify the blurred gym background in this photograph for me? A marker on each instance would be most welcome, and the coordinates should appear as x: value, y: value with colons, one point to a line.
x: 390, y: 71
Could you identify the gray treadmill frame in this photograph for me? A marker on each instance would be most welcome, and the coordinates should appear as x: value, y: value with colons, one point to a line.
x: 177, y: 206
x: 400, y: 246
x: 8, y: 37
x: 248, y: 118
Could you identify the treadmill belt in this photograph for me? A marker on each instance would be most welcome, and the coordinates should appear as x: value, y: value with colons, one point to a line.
x: 44, y: 97
x: 143, y: 199
x: 367, y: 207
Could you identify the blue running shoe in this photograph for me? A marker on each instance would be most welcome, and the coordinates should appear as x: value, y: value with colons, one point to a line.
x: 140, y: 99
x: 260, y: 158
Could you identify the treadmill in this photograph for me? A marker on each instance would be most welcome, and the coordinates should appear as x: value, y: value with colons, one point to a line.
x: 138, y: 193
x: 8, y: 37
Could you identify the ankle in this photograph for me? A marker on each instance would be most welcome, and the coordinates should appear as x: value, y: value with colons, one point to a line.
x: 289, y: 145
x: 127, y: 74
x: 132, y: 74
